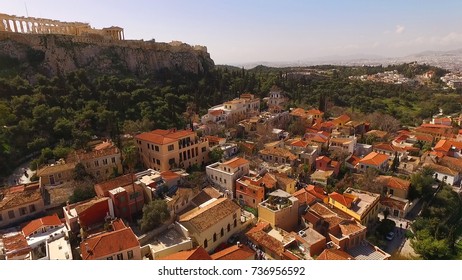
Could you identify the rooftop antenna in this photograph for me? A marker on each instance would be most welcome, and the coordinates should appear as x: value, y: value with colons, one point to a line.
x: 27, y: 13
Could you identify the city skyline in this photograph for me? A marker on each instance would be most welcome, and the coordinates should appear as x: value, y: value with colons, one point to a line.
x: 241, y: 32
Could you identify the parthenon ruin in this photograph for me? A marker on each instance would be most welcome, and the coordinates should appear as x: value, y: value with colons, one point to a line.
x: 32, y: 25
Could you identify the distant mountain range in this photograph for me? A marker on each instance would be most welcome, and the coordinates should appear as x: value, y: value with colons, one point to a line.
x: 451, y: 60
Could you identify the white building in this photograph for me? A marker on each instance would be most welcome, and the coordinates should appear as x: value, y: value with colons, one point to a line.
x: 225, y: 174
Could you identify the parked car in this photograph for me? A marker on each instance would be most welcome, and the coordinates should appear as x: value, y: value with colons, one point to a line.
x: 390, y: 236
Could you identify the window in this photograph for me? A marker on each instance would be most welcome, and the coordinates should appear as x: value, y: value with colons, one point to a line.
x: 222, y: 232
x: 32, y: 208
x: 170, y: 147
x: 205, y: 243
x: 11, y: 214
x: 204, y: 149
x: 214, y: 237
x: 229, y: 228
x: 1, y: 218
x: 113, y: 160
x: 156, y: 148
x: 235, y: 223
x: 157, y: 162
x: 224, y: 180
x: 110, y: 258
x: 96, y: 163
x: 105, y: 161
x: 22, y: 211
x: 171, y: 161
x: 120, y: 256
x: 130, y: 254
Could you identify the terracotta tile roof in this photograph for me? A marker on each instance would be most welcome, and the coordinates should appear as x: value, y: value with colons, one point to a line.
x: 424, y: 137
x: 198, y: 253
x: 284, y: 179
x: 278, y: 152
x: 108, y: 243
x: 269, y: 180
x: 374, y: 158
x: 55, y: 168
x: 162, y: 137
x: 80, y: 208
x: 377, y: 133
x: 216, y: 112
x: 351, y: 227
x: 299, y: 143
x: 341, y: 140
x: 436, y: 125
x: 205, y: 195
x: 317, y: 191
x: 441, y: 169
x: 334, y: 254
x: 353, y: 160
x: 387, y: 147
x: 236, y: 162
x: 343, y: 119
x: 36, y: 224
x: 314, y: 112
x: 340, y: 198
x: 323, y: 159
x: 394, y: 182
x: 103, y: 188
x: 15, y: 245
x: 203, y: 218
x: 446, y: 145
x: 236, y: 252
x: 393, y: 203
x: 316, y: 138
x: 19, y: 195
x: 266, y: 241
x: 169, y: 175
x: 451, y: 162
x: 299, y: 112
x: 95, y: 153
x: 304, y: 197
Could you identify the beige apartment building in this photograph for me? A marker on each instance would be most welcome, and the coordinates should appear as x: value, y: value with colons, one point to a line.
x: 163, y: 150
x: 279, y: 210
x: 213, y: 222
x: 20, y: 203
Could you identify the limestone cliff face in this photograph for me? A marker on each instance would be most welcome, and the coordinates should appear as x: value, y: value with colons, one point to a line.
x: 60, y: 54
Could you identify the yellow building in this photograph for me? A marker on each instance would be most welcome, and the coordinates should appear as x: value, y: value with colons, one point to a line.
x: 361, y: 205
x: 166, y: 149
x: 213, y: 222
x: 279, y: 210
x: 56, y: 174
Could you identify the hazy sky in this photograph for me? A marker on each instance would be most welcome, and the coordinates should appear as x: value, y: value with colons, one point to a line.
x: 241, y: 31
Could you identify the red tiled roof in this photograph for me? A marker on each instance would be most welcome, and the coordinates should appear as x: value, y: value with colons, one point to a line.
x: 393, y: 203
x: 169, y: 175
x: 19, y: 195
x: 394, y: 182
x: 265, y: 240
x: 216, y: 112
x: 36, y: 224
x: 236, y: 252
x: 343, y: 119
x: 108, y: 243
x: 161, y: 136
x: 334, y: 254
x: 236, y: 162
x: 316, y: 191
x: 387, y: 147
x: 314, y: 112
x: 353, y: 160
x: 435, y: 125
x: 198, y: 253
x: 340, y: 198
x: 103, y: 188
x: 374, y: 158
x: 16, y: 245
x: 304, y: 196
x: 299, y: 143
x: 269, y: 180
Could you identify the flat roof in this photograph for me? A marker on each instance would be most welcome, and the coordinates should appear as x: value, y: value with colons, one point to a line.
x: 166, y: 239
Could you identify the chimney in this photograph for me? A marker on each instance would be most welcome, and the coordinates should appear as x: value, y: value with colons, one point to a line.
x: 68, y: 208
x: 87, y: 248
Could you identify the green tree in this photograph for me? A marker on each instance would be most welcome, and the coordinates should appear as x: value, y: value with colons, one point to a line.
x: 216, y: 154
x: 83, y: 190
x: 154, y: 214
x: 395, y: 163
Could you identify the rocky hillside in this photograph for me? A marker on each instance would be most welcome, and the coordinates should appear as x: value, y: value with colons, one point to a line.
x: 60, y: 54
